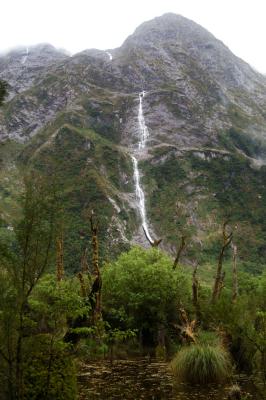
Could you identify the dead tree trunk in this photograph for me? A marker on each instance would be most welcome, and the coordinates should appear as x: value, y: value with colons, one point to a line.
x: 161, y: 336
x: 84, y: 262
x: 218, y: 283
x: 221, y: 284
x: 195, y: 292
x: 95, y: 294
x: 235, y: 280
x: 187, y: 328
x: 154, y: 242
x: 83, y: 289
x: 180, y: 250
x: 59, y: 258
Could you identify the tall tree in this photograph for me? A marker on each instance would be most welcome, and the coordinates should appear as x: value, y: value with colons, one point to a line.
x: 184, y: 221
x: 32, y: 253
x: 95, y: 294
x: 235, y: 280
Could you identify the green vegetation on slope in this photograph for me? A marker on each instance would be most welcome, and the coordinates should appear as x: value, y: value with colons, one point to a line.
x: 212, y: 188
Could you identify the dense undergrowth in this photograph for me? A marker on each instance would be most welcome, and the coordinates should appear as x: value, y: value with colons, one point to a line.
x: 138, y: 304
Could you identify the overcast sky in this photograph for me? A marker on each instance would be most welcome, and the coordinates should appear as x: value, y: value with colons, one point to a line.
x: 80, y: 24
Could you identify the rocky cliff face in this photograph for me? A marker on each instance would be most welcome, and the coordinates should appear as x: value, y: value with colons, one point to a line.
x: 23, y: 66
x: 204, y: 108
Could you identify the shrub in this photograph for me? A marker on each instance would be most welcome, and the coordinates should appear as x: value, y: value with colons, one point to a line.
x: 142, y: 290
x: 201, y: 364
x: 49, y: 371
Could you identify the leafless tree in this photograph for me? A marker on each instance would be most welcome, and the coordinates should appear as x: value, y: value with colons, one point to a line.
x: 235, y: 280
x: 219, y: 279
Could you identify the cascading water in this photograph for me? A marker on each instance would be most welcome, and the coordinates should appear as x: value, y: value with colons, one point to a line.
x: 24, y: 58
x: 109, y: 55
x: 144, y: 134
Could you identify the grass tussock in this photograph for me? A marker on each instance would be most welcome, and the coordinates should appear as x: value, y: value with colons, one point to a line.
x: 201, y: 364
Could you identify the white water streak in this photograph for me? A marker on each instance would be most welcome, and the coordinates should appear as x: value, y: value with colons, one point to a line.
x: 109, y: 55
x: 114, y: 204
x: 144, y: 134
x: 24, y: 58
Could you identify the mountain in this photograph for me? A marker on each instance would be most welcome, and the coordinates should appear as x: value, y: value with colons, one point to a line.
x: 79, y: 118
x: 21, y: 66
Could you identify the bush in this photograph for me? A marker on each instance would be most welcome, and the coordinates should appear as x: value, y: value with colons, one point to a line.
x: 201, y: 364
x: 49, y: 371
x: 142, y: 291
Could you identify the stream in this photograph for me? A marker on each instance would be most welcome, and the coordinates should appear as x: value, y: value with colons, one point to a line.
x: 149, y: 380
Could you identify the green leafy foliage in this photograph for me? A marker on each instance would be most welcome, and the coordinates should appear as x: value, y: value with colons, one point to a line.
x: 33, y: 309
x: 57, y: 301
x: 49, y: 371
x: 213, y: 187
x: 142, y: 291
x: 244, y: 326
x: 251, y: 146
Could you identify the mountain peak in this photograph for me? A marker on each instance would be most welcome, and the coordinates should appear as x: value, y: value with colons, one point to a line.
x: 171, y: 24
x: 22, y: 65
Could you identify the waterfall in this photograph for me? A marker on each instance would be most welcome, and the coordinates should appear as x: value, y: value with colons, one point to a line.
x: 144, y: 134
x: 24, y: 58
x: 109, y: 55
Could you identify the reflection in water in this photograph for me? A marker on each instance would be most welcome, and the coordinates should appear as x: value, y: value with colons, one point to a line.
x: 140, y: 379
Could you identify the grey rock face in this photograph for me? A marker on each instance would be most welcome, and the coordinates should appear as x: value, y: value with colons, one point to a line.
x: 195, y: 86
x: 86, y: 106
x: 21, y: 66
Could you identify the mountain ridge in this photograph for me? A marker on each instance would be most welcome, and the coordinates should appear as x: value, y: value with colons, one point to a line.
x: 204, y: 109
